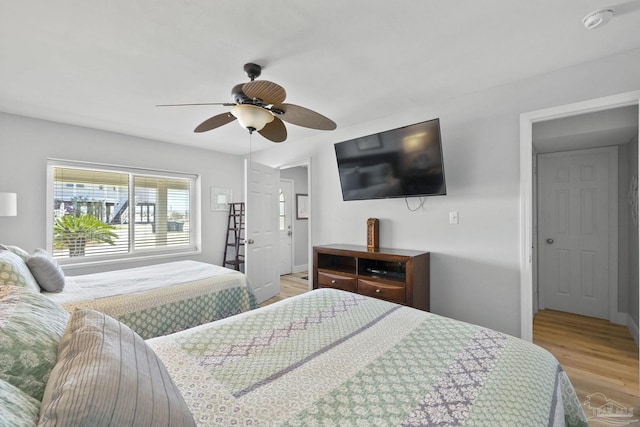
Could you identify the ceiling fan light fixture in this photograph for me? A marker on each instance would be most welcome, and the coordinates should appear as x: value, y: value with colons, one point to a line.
x: 251, y: 117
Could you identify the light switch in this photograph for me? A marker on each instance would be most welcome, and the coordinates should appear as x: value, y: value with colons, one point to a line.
x: 453, y: 217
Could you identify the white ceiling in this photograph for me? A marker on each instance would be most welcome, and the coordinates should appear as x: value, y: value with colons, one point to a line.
x: 616, y: 126
x: 106, y: 64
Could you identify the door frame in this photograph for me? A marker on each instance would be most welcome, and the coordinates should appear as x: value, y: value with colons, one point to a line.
x: 526, y: 189
x: 307, y: 163
x: 612, y: 159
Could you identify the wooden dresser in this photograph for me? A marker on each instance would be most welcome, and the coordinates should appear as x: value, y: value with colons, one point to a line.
x: 396, y: 275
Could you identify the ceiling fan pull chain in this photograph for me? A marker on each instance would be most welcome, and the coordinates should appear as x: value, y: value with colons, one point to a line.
x: 250, y: 141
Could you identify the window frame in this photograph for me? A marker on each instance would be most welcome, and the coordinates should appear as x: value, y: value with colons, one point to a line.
x: 133, y: 254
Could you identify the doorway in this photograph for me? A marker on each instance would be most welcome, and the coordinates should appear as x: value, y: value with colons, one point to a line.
x: 584, y: 345
x: 299, y: 173
x: 527, y: 201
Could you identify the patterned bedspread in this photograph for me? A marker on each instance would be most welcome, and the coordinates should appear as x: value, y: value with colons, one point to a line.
x: 160, y: 299
x: 329, y: 357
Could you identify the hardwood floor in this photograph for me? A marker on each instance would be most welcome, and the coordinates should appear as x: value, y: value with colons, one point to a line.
x: 597, y: 355
x: 290, y: 285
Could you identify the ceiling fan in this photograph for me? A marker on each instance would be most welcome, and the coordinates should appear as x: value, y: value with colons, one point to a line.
x: 259, y: 106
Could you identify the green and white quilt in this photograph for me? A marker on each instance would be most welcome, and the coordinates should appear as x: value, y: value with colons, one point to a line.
x: 160, y: 299
x: 330, y: 357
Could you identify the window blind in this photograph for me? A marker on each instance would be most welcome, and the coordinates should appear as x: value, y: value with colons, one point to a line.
x: 100, y: 211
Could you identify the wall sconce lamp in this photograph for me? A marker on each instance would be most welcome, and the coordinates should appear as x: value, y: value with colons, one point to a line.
x: 8, y: 204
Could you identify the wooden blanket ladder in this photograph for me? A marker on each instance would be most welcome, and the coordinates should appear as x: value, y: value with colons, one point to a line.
x: 235, y: 236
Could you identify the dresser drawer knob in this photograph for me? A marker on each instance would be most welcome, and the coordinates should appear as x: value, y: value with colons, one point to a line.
x: 377, y: 291
x: 333, y: 282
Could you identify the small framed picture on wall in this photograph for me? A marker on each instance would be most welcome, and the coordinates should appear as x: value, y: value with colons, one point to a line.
x: 302, y: 206
x: 220, y: 198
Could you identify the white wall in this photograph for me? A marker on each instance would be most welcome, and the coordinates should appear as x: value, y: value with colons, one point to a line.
x: 475, y: 264
x: 25, y: 145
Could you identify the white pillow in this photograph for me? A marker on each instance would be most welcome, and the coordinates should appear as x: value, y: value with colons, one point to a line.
x: 46, y: 271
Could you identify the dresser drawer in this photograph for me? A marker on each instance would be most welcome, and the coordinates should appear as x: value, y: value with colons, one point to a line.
x: 328, y: 280
x: 393, y: 293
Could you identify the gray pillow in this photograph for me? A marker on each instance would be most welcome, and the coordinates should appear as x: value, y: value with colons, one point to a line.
x: 46, y: 271
x: 106, y: 375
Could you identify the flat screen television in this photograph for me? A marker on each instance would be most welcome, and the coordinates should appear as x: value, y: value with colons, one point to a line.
x: 403, y: 162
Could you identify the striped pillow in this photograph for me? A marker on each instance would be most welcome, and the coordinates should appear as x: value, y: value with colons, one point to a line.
x: 46, y: 271
x: 107, y: 375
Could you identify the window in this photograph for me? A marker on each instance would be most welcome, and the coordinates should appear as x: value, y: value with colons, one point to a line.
x: 108, y: 212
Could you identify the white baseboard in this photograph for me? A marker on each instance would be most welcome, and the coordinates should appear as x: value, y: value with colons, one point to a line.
x: 633, y: 328
x: 619, y: 318
x: 300, y: 268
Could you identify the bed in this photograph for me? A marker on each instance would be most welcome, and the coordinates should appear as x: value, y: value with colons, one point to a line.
x: 153, y: 300
x: 327, y: 357
x: 330, y: 357
x: 160, y: 299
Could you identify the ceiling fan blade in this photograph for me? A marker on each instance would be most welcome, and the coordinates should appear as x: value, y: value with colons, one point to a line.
x: 274, y: 131
x: 304, y: 117
x: 226, y: 104
x: 214, y: 122
x: 268, y: 92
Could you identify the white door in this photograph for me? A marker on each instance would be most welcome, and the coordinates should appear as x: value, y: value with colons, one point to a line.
x: 285, y: 247
x: 573, y: 239
x: 261, y: 244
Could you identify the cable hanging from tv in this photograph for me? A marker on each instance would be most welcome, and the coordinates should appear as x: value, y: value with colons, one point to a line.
x: 422, y: 200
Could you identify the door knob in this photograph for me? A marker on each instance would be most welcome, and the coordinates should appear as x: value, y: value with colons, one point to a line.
x: 549, y: 241
x: 250, y: 241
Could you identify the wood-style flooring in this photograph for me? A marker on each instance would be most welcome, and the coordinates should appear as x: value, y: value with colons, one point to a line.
x: 598, y: 356
x: 290, y: 285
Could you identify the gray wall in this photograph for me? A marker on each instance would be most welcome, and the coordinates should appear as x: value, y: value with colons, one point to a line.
x: 300, y: 226
x: 25, y: 145
x: 475, y: 272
